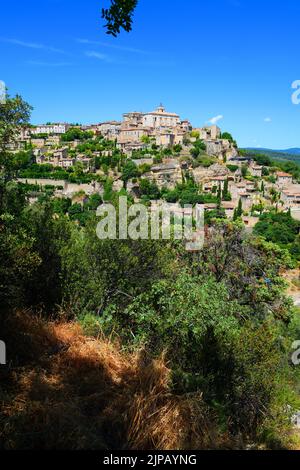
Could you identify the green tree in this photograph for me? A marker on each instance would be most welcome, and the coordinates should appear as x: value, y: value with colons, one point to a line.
x: 198, y: 148
x: 74, y: 211
x: 227, y: 136
x: 278, y: 227
x: 130, y: 170
x: 149, y: 189
x: 50, y: 233
x: 210, y: 216
x: 244, y: 170
x: 238, y: 212
x: 177, y: 148
x: 275, y: 197
x: 219, y: 196
x: 18, y: 261
x: 119, y: 16
x: 76, y: 134
x: 61, y: 205
x: 95, y: 200
x: 195, y: 134
x: 14, y: 114
x: 145, y: 139
x: 226, y: 196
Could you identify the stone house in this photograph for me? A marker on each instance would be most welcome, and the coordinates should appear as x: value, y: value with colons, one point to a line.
x: 65, y: 162
x: 165, y: 139
x: 217, y: 181
x: 61, y: 153
x: 109, y: 129
x: 291, y: 196
x: 283, y: 178
x: 38, y: 143
x: 53, y: 140
x: 239, y: 161
x: 209, y: 133
x: 166, y: 174
x: 56, y: 128
x: 161, y: 118
x: 256, y: 170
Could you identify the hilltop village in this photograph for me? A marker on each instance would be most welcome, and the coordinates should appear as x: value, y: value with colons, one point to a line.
x: 209, y: 300
x: 151, y: 157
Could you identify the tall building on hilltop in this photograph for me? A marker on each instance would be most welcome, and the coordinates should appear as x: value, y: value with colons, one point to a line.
x: 161, y: 118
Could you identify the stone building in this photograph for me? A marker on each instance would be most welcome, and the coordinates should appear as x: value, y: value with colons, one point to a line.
x: 166, y: 174
x: 209, y: 132
x: 283, y: 178
x: 256, y: 170
x: 222, y: 149
x: 55, y: 128
x: 109, y: 129
x: 161, y: 118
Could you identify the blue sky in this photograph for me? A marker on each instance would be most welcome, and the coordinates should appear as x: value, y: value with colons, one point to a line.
x: 234, y: 59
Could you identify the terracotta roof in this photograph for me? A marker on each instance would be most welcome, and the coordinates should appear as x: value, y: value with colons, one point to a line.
x: 283, y: 174
x: 291, y: 193
x: 228, y: 205
x: 218, y: 178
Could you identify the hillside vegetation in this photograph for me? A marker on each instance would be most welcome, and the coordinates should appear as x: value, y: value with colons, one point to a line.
x: 140, y: 344
x: 292, y: 155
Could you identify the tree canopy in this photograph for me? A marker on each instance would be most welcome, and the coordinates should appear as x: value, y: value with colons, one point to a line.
x: 14, y: 114
x: 119, y: 16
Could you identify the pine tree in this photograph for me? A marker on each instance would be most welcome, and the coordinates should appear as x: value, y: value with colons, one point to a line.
x: 219, y: 196
x: 225, y: 189
x: 238, y: 212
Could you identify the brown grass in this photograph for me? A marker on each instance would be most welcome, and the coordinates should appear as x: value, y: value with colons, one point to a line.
x: 67, y: 391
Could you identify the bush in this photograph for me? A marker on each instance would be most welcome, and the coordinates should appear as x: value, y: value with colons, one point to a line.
x: 278, y: 228
x: 213, y: 347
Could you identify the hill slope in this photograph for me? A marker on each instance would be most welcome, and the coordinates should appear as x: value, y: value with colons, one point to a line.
x: 71, y: 391
x: 289, y: 154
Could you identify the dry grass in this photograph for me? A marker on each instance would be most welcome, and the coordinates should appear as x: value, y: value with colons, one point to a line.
x: 67, y: 391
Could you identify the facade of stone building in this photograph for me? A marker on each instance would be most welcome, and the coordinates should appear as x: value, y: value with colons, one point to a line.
x: 284, y: 179
x: 57, y: 128
x: 161, y: 118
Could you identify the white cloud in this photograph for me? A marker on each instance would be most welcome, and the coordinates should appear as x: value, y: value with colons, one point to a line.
x: 32, y: 45
x: 216, y: 119
x: 268, y: 119
x: 111, y: 46
x: 105, y: 58
x: 98, y: 55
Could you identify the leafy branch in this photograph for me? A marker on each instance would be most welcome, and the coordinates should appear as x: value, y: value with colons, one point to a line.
x: 119, y: 15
